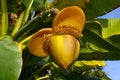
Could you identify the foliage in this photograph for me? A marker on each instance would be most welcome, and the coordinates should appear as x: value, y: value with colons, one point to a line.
x: 10, y: 59
x: 100, y: 40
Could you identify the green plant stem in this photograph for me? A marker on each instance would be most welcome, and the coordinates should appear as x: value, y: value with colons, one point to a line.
x: 26, y: 28
x: 41, y: 68
x: 26, y: 39
x: 27, y: 12
x: 44, y: 77
x: 4, y: 17
x: 18, y: 24
x: 0, y: 25
x: 45, y: 65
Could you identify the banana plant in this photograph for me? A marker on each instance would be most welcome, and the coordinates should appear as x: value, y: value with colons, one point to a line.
x: 40, y: 39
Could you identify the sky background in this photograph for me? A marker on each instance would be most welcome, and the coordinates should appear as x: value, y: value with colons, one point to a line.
x: 112, y: 68
x: 113, y: 14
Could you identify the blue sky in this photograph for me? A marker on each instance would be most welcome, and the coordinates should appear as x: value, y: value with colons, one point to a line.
x: 113, y: 14
x: 112, y: 68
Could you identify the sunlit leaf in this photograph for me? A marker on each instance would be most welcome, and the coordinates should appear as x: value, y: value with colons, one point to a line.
x: 84, y: 46
x: 10, y: 59
x: 89, y: 34
x: 96, y: 48
x: 101, y: 48
x: 110, y: 27
x: 89, y: 63
x: 110, y: 30
x: 84, y: 65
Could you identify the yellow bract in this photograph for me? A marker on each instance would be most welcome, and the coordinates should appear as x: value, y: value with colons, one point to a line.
x: 71, y: 20
x: 38, y: 43
x: 64, y: 49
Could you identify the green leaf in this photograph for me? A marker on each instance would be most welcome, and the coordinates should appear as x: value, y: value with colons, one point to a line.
x: 91, y: 35
x: 96, y: 48
x: 100, y: 48
x: 92, y: 8
x: 85, y: 65
x: 60, y: 4
x: 110, y: 30
x: 10, y: 59
x: 100, y: 7
x: 84, y: 46
x: 12, y: 5
x: 114, y: 40
x: 15, y: 6
x: 110, y: 27
x: 37, y: 4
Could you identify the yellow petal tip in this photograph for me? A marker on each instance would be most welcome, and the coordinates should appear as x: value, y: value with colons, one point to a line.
x: 70, y: 20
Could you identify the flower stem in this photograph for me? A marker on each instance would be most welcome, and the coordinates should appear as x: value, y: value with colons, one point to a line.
x: 44, y: 77
x: 4, y: 17
x: 45, y: 65
x: 26, y: 39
